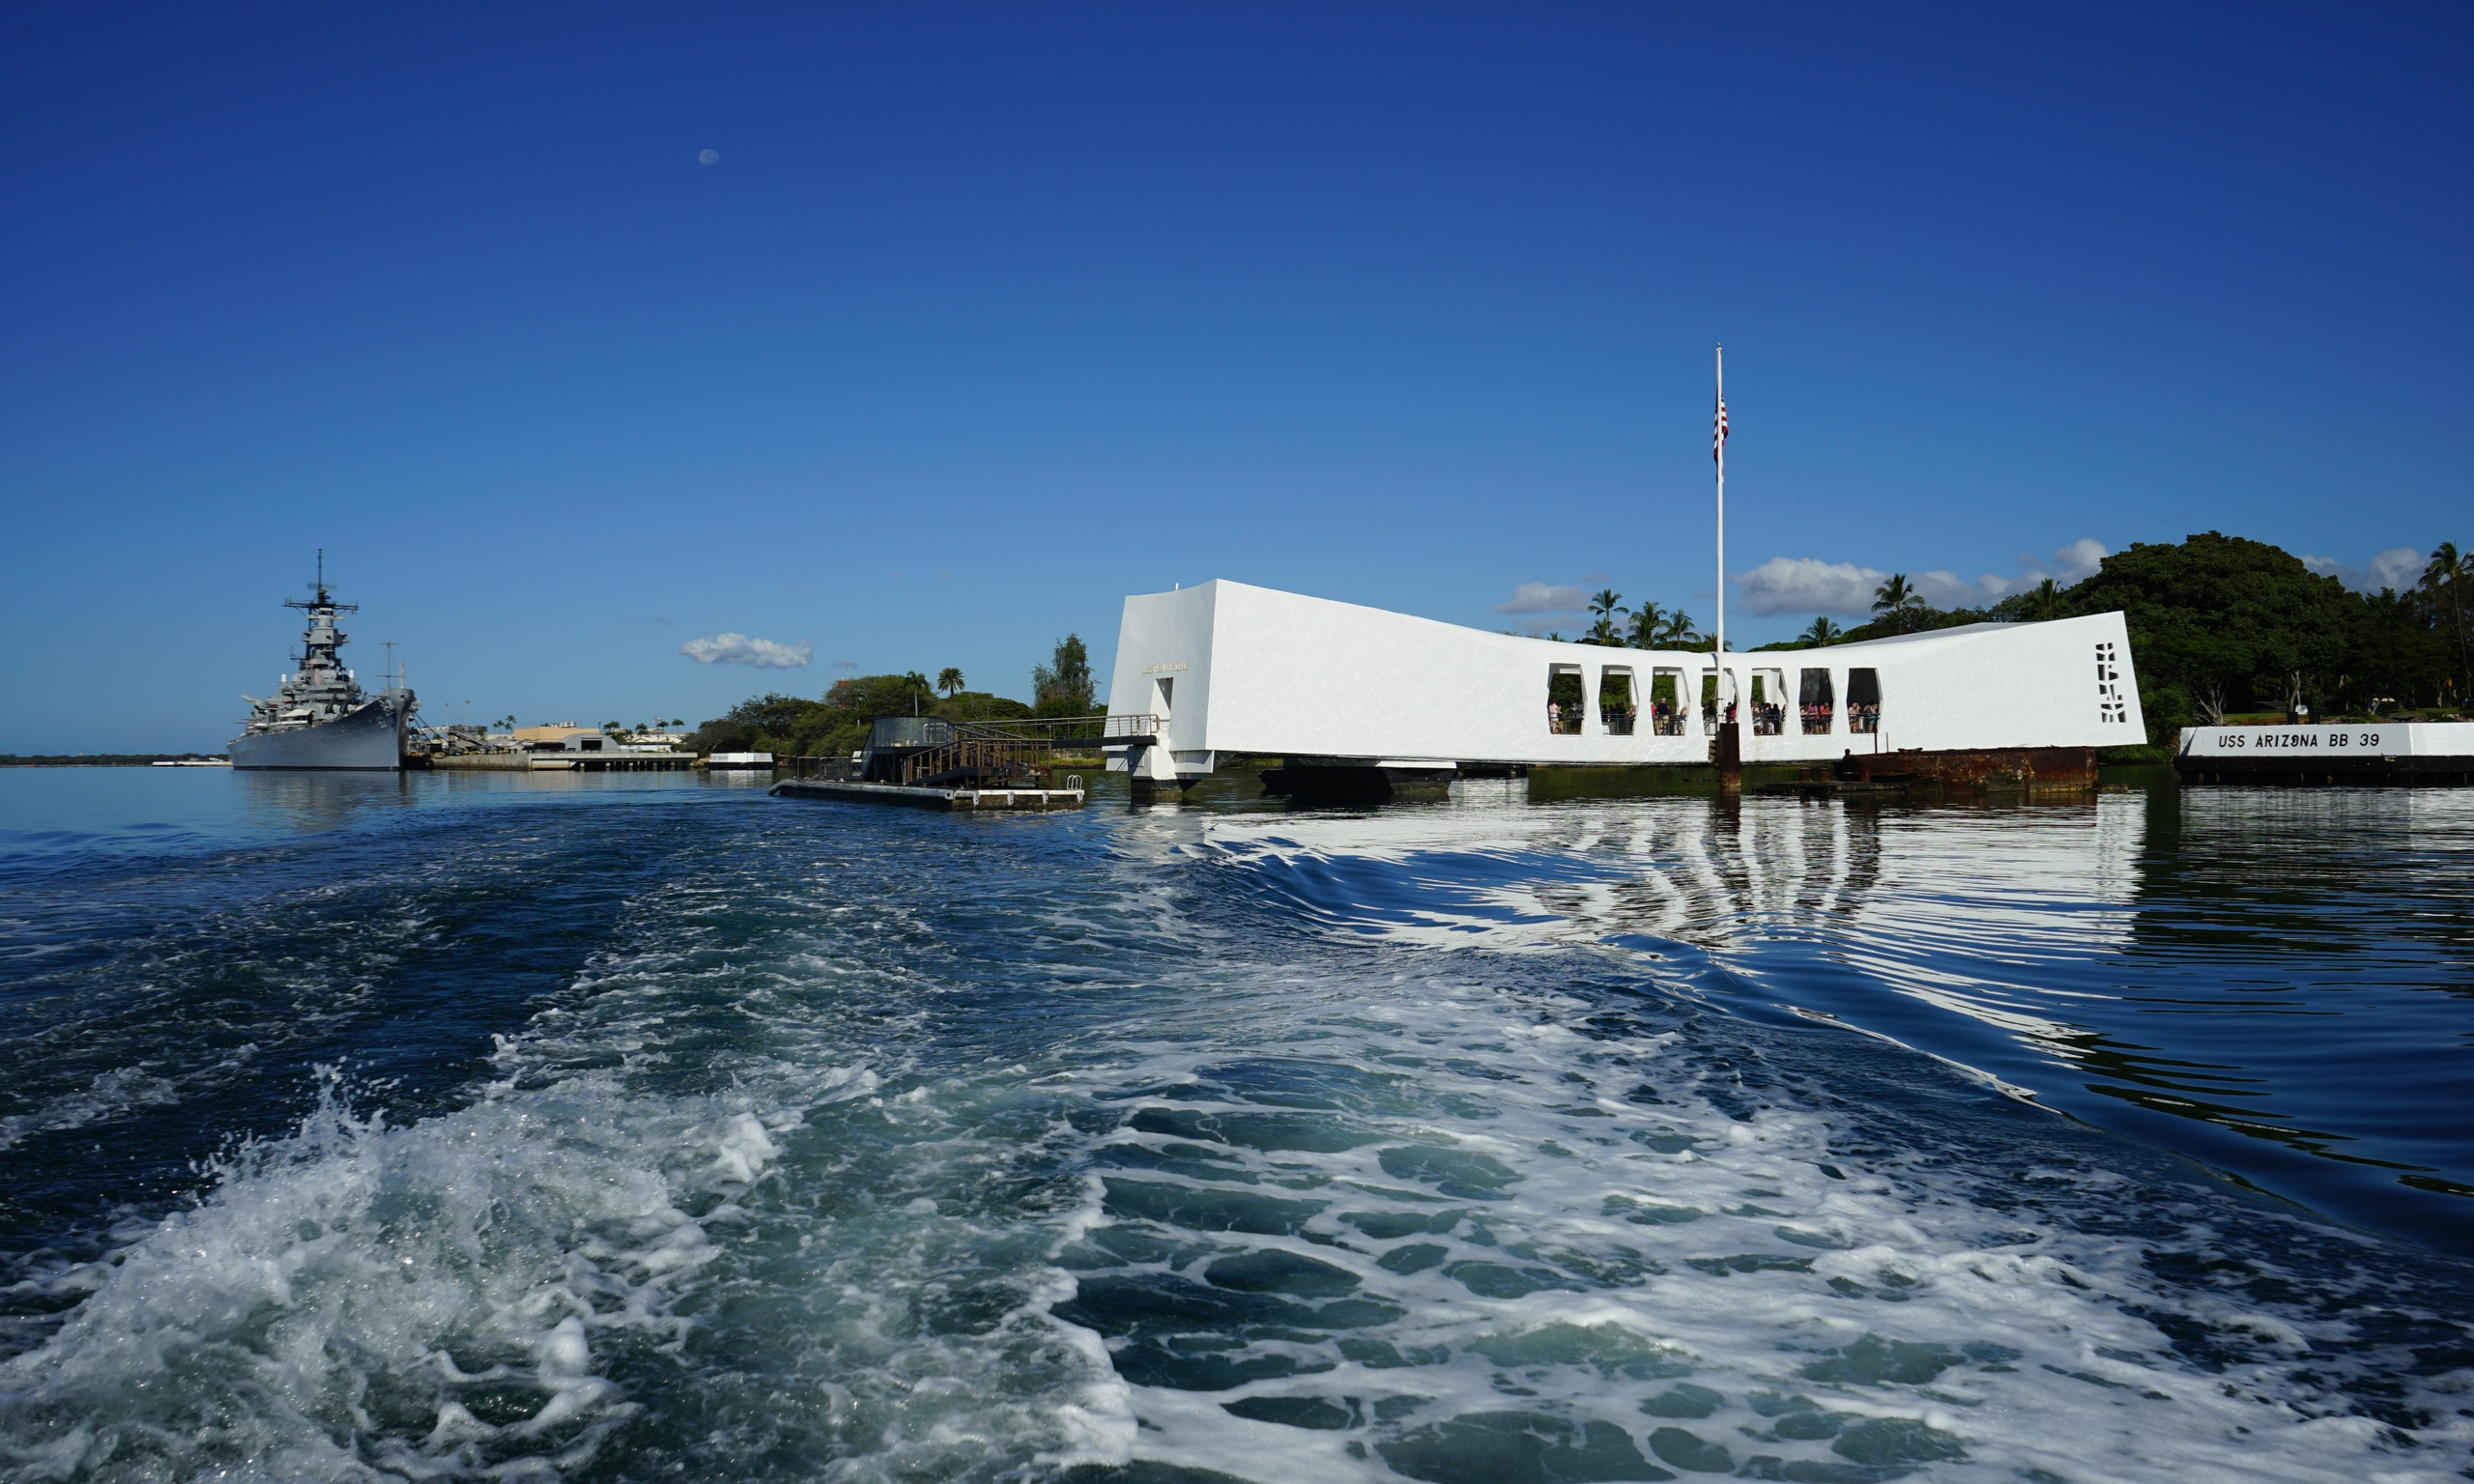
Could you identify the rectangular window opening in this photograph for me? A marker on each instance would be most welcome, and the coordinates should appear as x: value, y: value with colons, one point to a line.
x: 1666, y: 702
x: 1863, y: 700
x: 1817, y: 702
x: 1616, y: 707
x: 1564, y: 701
x: 1768, y: 702
x: 1709, y: 702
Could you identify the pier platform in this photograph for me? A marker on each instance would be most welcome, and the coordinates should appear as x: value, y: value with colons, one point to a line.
x: 931, y: 798
x: 477, y: 762
x: 607, y: 762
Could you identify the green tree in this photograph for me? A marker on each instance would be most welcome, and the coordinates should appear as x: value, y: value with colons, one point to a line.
x: 1822, y: 631
x: 1897, y: 602
x: 795, y: 726
x: 2219, y: 623
x: 1677, y: 631
x: 1604, y: 606
x: 2444, y: 579
x: 2042, y: 602
x: 1063, y: 686
x: 949, y: 681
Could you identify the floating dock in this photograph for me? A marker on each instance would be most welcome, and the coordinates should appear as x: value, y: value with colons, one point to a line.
x: 931, y: 798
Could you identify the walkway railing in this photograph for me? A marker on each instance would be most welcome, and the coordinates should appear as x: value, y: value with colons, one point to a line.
x: 1020, y: 744
x: 1002, y: 749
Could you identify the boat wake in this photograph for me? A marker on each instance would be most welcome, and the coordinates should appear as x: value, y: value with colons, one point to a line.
x: 1177, y: 1147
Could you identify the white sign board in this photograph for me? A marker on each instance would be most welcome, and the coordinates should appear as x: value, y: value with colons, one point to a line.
x: 2367, y: 739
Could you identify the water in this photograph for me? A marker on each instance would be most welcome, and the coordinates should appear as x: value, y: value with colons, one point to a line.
x: 627, y: 1128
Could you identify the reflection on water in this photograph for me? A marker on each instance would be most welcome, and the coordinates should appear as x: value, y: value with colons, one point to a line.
x: 272, y: 799
x: 2275, y: 982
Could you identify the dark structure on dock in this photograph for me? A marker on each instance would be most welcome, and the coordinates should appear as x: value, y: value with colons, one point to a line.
x: 928, y: 762
x: 926, y: 752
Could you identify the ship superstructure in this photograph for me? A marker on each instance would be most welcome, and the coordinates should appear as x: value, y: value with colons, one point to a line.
x: 319, y: 716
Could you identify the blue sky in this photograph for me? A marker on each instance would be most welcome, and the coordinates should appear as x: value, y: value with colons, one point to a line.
x: 985, y: 316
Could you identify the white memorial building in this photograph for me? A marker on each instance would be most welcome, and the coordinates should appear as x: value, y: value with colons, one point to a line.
x: 1230, y: 670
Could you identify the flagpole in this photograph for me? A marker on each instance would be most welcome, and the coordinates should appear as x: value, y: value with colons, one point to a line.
x: 1721, y: 451
x: 1730, y: 748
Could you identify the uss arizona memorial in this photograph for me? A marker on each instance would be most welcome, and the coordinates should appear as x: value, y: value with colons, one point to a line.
x: 1336, y: 690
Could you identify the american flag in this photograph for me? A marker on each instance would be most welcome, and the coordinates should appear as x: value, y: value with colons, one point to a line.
x: 1718, y: 435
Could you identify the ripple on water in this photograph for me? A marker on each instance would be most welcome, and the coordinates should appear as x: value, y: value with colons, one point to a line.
x: 1127, y: 1147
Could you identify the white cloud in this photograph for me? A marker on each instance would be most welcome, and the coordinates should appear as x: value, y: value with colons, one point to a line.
x: 1543, y: 598
x: 2399, y: 567
x: 2073, y: 563
x: 1807, y: 585
x: 2077, y: 561
x: 739, y: 649
x: 1946, y: 590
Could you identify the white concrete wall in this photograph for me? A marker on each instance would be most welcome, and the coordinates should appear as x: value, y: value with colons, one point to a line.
x: 1258, y: 671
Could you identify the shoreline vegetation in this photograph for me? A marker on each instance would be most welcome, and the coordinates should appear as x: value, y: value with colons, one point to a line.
x: 837, y: 724
x: 2223, y: 631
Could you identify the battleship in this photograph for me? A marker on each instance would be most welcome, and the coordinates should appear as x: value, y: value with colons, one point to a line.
x: 319, y: 716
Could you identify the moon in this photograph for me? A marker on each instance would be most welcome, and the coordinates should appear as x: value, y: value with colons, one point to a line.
x: 710, y: 157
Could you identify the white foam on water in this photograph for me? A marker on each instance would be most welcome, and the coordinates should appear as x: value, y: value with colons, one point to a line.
x: 1545, y: 1231
x: 687, y: 1213
x: 826, y: 1191
x: 107, y: 1095
x: 424, y: 1300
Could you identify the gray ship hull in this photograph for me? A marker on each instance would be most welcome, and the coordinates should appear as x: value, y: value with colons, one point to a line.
x: 371, y: 737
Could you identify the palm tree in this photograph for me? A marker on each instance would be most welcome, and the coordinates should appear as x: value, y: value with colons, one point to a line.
x: 1678, y: 631
x: 1642, y: 632
x: 2043, y: 601
x: 949, y: 681
x: 2444, y: 577
x: 1898, y: 603
x: 1822, y: 631
x: 1603, y: 630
